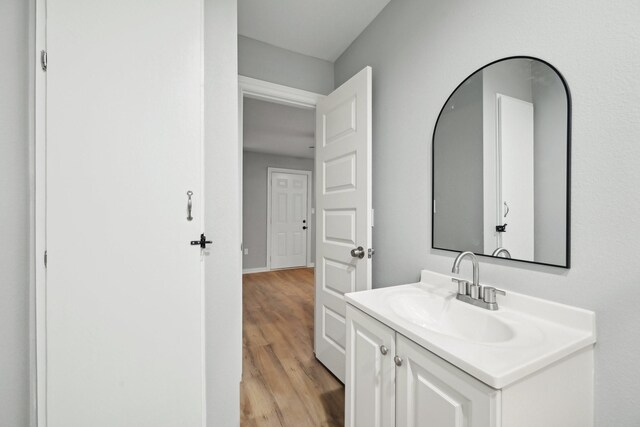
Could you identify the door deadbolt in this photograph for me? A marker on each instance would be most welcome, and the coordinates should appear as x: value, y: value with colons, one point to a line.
x: 203, y: 242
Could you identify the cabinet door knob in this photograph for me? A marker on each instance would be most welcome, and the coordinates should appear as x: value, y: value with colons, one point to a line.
x: 384, y: 350
x: 397, y: 360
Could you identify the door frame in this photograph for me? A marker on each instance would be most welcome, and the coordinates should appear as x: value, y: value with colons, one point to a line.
x: 279, y: 94
x: 309, y: 174
x: 38, y: 277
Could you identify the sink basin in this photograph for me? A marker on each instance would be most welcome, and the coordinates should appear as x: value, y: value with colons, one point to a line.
x: 420, y: 308
x: 470, y: 323
x: 448, y: 316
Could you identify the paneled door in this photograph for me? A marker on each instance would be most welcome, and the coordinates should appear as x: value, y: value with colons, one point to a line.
x: 343, y: 220
x: 289, y: 227
x: 124, y: 287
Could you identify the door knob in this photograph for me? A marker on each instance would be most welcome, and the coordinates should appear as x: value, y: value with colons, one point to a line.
x: 358, y: 252
x: 304, y: 227
x: 384, y: 350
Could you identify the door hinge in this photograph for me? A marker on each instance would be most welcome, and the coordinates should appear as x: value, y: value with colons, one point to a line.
x: 45, y: 259
x: 43, y: 60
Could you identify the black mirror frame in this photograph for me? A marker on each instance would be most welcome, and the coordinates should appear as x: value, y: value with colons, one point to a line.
x: 568, y: 207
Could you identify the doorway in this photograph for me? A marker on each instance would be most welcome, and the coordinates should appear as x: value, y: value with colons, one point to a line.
x: 282, y: 381
x: 341, y: 151
x: 277, y: 136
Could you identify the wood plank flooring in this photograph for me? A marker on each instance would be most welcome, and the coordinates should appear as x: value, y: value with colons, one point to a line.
x: 282, y: 382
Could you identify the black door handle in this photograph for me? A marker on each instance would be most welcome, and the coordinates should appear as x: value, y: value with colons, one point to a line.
x: 203, y: 242
x: 304, y: 227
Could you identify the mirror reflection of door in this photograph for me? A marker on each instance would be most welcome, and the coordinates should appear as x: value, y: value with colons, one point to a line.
x: 515, y: 176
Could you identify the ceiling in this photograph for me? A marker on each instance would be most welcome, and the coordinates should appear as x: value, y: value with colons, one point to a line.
x: 320, y: 28
x: 278, y: 129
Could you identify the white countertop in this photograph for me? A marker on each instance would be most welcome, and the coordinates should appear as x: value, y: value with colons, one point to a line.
x: 538, y: 332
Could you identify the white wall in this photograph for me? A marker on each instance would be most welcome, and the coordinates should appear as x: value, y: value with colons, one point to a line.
x: 223, y: 283
x: 420, y: 51
x: 254, y: 216
x: 276, y: 65
x: 14, y: 214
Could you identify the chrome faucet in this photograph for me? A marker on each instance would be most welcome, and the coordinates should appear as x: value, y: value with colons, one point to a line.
x: 476, y: 267
x: 499, y: 251
x: 475, y: 294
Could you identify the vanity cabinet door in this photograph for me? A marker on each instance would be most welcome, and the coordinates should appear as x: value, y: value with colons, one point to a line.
x: 370, y: 372
x: 432, y: 392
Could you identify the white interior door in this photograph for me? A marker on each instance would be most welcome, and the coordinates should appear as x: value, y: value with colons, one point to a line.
x: 515, y: 176
x: 343, y: 220
x: 289, y: 193
x: 124, y: 291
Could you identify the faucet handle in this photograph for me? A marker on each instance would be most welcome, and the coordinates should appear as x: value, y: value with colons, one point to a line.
x: 463, y: 285
x: 490, y: 294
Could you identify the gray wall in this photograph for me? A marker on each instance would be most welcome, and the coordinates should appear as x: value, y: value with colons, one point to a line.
x: 420, y: 51
x: 458, y: 174
x: 254, y: 199
x: 14, y: 214
x: 550, y: 176
x: 276, y: 65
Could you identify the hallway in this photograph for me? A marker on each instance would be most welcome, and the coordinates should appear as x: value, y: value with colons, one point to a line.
x: 282, y: 382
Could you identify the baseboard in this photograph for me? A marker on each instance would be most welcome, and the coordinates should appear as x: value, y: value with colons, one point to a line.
x: 265, y: 269
x: 254, y: 270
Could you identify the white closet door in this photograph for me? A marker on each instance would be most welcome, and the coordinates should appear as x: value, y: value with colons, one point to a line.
x: 124, y: 143
x: 343, y: 220
x: 289, y: 225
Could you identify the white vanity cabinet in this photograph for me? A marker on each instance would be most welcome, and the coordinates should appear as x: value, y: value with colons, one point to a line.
x: 393, y: 381
x: 417, y: 356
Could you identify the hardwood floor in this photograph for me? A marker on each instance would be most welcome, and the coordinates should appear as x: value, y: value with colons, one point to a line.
x: 282, y: 382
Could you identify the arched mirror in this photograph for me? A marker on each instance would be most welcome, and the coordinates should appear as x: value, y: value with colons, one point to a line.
x: 501, y: 164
